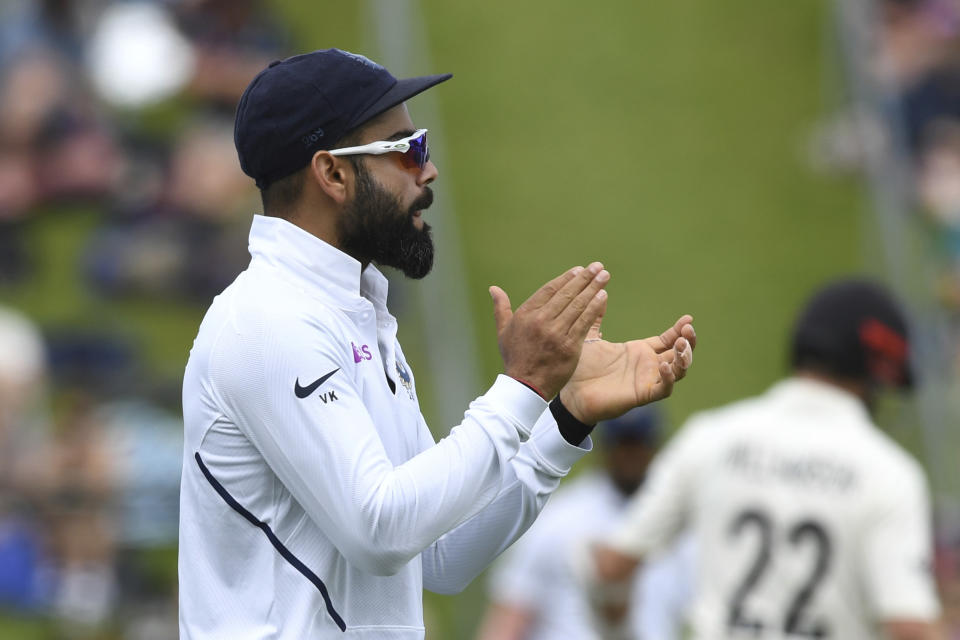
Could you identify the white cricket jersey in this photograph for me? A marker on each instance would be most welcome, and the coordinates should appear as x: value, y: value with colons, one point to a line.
x: 314, y: 501
x: 808, y: 521
x: 536, y: 573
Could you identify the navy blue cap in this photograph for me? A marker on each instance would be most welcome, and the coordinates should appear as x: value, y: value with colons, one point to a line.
x: 298, y: 106
x: 641, y: 424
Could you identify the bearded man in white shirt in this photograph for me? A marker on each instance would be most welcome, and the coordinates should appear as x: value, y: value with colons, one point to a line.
x: 314, y: 500
x: 809, y: 522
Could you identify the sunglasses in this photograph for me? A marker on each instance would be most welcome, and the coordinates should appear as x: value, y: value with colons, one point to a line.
x: 414, y: 148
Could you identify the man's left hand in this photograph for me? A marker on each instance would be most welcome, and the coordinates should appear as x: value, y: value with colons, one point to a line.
x: 614, y: 377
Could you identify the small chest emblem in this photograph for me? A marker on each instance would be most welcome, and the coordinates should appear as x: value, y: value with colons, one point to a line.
x: 405, y: 379
x: 361, y: 353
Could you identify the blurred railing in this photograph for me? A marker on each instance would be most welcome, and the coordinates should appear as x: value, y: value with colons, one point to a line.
x: 895, y: 248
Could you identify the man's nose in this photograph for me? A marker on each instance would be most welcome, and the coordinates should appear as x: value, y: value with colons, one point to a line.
x: 428, y: 174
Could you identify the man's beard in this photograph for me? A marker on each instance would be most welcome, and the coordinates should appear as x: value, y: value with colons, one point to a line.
x: 375, y: 228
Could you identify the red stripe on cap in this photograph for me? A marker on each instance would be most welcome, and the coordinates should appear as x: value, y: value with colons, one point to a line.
x: 881, y: 338
x: 886, y: 351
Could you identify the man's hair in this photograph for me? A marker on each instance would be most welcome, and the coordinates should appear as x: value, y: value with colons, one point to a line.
x: 280, y: 196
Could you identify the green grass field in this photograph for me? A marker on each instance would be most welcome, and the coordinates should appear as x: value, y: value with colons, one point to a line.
x: 664, y: 139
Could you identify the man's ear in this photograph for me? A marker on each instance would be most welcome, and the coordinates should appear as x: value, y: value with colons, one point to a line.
x: 333, y: 175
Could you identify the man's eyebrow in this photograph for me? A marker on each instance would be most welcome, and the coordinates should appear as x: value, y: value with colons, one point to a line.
x: 403, y: 133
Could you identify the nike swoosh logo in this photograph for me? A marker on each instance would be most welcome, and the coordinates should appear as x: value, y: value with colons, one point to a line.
x: 303, y: 392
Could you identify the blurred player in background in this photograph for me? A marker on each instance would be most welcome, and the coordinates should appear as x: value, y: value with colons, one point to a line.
x: 809, y: 522
x: 536, y: 597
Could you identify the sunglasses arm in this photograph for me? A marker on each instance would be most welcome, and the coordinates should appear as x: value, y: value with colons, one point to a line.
x: 380, y: 147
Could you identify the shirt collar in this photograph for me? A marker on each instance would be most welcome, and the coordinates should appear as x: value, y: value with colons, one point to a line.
x: 314, y: 264
x: 831, y: 399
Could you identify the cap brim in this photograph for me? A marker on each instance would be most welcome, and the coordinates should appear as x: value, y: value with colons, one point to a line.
x: 405, y: 89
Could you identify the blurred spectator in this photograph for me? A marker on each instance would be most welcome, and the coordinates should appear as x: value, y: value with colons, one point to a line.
x: 138, y: 56
x: 947, y: 565
x: 80, y: 503
x: 23, y: 575
x: 125, y: 109
x: 932, y: 99
x: 59, y: 26
x: 75, y: 486
x: 146, y: 444
x: 22, y: 382
x: 173, y: 234
x: 173, y: 256
x: 99, y: 361
x: 53, y: 143
x: 534, y: 593
x: 914, y: 38
x: 232, y: 40
x: 938, y: 192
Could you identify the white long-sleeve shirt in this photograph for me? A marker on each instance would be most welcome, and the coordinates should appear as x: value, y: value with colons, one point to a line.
x: 808, y: 520
x: 314, y: 500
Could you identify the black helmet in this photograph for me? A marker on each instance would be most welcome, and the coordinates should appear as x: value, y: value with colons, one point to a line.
x: 854, y: 329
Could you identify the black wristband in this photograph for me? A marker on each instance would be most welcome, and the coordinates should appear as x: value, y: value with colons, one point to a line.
x: 572, y: 430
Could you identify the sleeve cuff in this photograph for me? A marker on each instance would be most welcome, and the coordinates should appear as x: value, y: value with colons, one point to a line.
x: 523, y: 404
x: 551, y: 449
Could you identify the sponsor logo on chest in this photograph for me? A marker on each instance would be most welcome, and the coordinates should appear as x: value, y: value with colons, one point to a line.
x: 361, y: 353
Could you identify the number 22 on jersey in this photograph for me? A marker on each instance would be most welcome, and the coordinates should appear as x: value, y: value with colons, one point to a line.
x: 796, y: 619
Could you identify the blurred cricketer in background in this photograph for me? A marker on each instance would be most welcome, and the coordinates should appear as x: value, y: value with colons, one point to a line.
x: 808, y: 521
x: 314, y: 500
x: 536, y: 597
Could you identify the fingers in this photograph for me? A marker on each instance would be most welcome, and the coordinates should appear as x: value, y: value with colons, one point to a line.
x: 593, y: 276
x: 571, y: 317
x: 567, y: 294
x: 589, y: 320
x: 679, y: 358
x: 502, y: 311
x: 673, y: 366
x: 547, y: 291
x: 667, y: 378
x: 594, y: 332
x: 690, y: 334
x: 683, y: 358
x: 667, y: 339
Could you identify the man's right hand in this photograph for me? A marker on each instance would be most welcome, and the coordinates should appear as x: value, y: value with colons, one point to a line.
x: 540, y: 342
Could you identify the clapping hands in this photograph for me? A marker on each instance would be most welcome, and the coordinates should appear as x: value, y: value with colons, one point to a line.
x: 553, y: 343
x: 613, y: 377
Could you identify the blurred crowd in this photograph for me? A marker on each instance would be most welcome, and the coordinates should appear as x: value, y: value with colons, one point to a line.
x: 88, y: 500
x: 919, y: 64
x: 122, y: 111
x: 128, y: 107
x: 915, y: 65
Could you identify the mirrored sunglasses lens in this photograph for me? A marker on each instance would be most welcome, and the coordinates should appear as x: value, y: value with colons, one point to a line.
x: 419, y: 152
